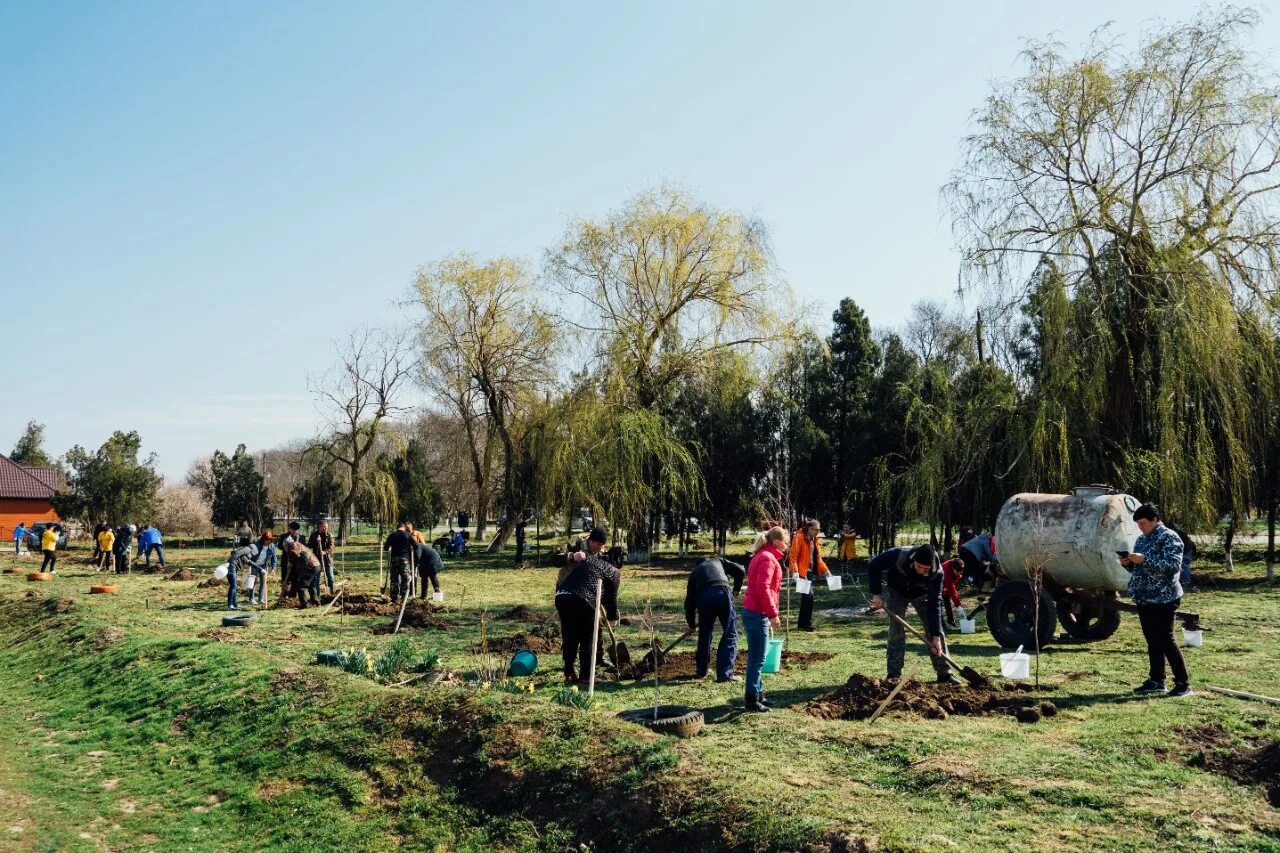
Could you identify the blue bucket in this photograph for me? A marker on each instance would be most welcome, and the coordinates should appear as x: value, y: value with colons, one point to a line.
x: 525, y: 662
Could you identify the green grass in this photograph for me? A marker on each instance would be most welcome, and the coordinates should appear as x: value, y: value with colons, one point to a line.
x: 121, y: 727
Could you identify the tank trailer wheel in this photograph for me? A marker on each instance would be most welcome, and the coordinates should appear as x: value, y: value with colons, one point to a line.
x: 1011, y: 615
x: 1087, y: 620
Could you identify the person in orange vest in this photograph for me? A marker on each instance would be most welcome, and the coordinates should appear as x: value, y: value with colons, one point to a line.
x: 805, y: 559
x: 848, y: 547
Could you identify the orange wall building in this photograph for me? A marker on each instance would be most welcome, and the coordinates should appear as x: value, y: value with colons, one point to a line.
x: 25, y: 497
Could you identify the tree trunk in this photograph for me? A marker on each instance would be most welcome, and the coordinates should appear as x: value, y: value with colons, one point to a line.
x: 1227, y: 541
x: 1271, y: 540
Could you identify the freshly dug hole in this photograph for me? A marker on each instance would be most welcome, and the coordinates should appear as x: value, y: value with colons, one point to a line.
x: 859, y: 697
x: 1254, y: 762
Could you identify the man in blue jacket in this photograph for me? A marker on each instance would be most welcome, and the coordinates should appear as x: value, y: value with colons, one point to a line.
x: 19, y: 534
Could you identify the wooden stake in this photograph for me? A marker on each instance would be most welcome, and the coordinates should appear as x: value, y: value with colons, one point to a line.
x: 342, y: 588
x: 403, y: 605
x: 595, y: 640
x: 1240, y: 694
x: 897, y: 688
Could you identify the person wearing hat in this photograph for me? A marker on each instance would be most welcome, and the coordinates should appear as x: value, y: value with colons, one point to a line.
x: 400, y: 544
x: 576, y: 603
x: 805, y: 559
x: 912, y: 578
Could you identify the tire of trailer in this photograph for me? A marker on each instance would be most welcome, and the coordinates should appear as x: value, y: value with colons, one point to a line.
x: 1011, y: 615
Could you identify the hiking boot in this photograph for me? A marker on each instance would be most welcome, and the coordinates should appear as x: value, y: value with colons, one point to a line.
x: 763, y: 701
x: 1180, y: 690
x: 1149, y: 688
x: 949, y: 679
x: 570, y: 678
x: 754, y: 704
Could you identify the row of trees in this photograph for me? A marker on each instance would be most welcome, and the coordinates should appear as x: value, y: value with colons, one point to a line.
x: 1116, y: 214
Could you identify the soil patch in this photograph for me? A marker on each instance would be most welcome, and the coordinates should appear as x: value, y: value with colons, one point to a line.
x: 540, y: 638
x: 212, y: 582
x: 684, y: 664
x: 183, y: 575
x: 59, y: 605
x: 359, y: 604
x: 1249, y: 760
x: 521, y: 613
x: 418, y: 615
x: 859, y: 697
x: 220, y: 635
x: 108, y: 636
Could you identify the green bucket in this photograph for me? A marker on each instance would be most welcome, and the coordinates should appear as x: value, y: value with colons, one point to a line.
x: 773, y: 656
x: 525, y: 662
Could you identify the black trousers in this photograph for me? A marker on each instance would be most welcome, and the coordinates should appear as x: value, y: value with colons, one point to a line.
x: 50, y: 557
x: 806, y: 611
x: 576, y: 618
x: 1157, y: 628
x: 427, y: 573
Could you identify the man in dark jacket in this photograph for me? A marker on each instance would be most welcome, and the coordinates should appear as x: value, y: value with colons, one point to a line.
x: 429, y: 565
x: 707, y: 598
x: 912, y: 577
x: 576, y: 603
x: 321, y: 545
x: 294, y: 534
x: 400, y: 544
x: 123, y: 547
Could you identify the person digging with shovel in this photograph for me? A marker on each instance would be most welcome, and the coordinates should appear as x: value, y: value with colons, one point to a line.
x: 707, y: 598
x: 912, y: 579
x: 576, y: 602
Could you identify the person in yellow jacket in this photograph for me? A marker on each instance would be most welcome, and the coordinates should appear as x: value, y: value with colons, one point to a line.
x: 106, y: 541
x: 847, y: 551
x: 805, y: 559
x: 49, y: 547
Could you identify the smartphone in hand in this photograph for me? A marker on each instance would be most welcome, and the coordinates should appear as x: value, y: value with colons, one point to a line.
x: 1124, y: 555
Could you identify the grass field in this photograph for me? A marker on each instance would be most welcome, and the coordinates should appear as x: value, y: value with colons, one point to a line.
x: 123, y: 727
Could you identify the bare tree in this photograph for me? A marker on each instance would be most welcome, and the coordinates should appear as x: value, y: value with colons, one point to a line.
x: 356, y: 397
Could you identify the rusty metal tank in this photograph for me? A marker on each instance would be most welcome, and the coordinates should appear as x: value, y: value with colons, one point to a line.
x: 1075, y: 537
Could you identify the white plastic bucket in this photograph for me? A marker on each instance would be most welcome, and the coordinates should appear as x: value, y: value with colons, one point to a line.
x: 834, y: 582
x: 1015, y: 665
x: 250, y: 582
x: 968, y: 626
x: 1194, y: 639
x: 437, y: 596
x: 804, y: 586
x: 220, y: 573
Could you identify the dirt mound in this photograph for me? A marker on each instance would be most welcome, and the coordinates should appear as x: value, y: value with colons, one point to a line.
x: 522, y: 613
x: 541, y: 638
x: 58, y: 605
x: 684, y: 664
x: 155, y: 570
x: 418, y: 614
x: 359, y: 604
x: 859, y: 697
x: 107, y: 637
x: 211, y: 582
x: 183, y: 575
x: 1255, y: 761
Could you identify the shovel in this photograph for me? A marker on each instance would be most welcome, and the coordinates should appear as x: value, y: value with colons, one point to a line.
x: 620, y: 655
x: 655, y: 657
x: 971, y: 675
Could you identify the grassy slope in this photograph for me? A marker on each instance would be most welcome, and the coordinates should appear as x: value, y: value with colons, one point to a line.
x: 89, y: 743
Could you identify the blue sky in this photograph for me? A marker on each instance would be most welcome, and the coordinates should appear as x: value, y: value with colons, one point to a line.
x: 197, y: 199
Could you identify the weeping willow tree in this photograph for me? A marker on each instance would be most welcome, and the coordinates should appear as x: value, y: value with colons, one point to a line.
x: 658, y: 289
x: 1144, y: 185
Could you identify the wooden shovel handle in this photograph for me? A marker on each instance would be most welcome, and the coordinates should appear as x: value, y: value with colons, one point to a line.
x: 678, y: 640
x: 905, y: 624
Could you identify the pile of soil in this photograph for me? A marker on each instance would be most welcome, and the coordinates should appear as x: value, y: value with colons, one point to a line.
x: 359, y: 604
x: 210, y: 583
x: 183, y: 575
x: 859, y: 697
x: 1256, y: 761
x: 540, y: 638
x: 522, y: 613
x: 684, y: 665
x: 418, y: 614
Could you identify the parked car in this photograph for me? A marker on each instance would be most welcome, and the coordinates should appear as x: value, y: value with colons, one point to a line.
x: 36, y: 530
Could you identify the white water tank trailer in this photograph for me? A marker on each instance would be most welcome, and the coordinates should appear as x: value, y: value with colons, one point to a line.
x: 1069, y: 543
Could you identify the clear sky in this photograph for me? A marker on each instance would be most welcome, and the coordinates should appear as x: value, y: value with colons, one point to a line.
x: 196, y: 199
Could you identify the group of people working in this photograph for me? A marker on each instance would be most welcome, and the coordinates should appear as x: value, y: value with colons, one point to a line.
x: 898, y: 579
x: 303, y: 561
x: 114, y: 546
x: 48, y: 544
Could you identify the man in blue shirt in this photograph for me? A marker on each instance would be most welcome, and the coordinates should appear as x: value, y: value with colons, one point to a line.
x: 150, y: 540
x: 19, y: 535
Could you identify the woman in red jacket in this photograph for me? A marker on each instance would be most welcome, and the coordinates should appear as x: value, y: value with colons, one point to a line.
x: 760, y: 609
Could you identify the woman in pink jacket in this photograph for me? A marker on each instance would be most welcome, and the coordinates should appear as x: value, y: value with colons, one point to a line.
x: 760, y: 609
